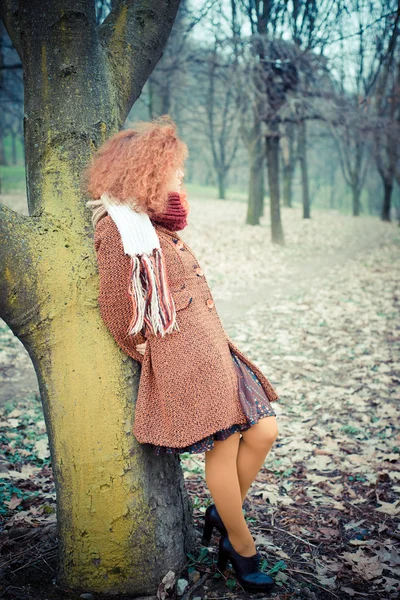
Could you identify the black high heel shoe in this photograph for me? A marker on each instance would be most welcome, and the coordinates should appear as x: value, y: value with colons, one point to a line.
x: 212, y: 519
x: 247, y: 568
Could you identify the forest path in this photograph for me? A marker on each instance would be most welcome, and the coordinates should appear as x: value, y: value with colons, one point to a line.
x: 306, y: 273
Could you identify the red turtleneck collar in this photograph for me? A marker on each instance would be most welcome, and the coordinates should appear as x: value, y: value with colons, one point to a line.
x: 174, y: 218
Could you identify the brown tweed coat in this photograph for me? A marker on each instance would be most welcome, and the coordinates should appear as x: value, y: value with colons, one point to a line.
x: 188, y: 384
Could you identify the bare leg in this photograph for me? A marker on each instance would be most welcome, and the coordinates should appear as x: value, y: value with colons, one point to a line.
x: 253, y: 449
x: 223, y: 483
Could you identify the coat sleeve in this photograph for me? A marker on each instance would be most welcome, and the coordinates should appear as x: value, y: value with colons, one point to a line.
x: 114, y: 301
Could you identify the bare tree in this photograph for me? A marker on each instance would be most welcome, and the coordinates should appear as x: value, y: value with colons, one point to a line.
x: 275, y: 71
x: 251, y: 66
x: 386, y: 101
x: 213, y: 100
x: 278, y: 77
x: 352, y: 125
x: 221, y: 118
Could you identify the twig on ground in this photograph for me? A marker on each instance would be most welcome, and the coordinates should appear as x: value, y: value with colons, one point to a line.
x: 288, y: 533
x: 312, y: 582
x: 194, y: 587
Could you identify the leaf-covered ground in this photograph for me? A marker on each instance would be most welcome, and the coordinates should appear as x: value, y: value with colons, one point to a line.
x: 320, y: 317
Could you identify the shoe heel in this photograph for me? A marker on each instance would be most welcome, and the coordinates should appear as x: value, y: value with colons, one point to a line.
x: 247, y: 568
x: 207, y: 533
x: 222, y: 560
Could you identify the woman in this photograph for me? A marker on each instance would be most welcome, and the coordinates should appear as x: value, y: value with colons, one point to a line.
x: 198, y: 392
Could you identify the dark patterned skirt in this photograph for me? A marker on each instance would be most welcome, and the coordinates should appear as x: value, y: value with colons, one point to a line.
x: 255, y: 405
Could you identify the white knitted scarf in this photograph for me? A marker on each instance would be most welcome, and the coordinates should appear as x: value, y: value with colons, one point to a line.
x: 152, y: 301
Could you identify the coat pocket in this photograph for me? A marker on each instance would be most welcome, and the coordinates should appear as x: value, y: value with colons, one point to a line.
x: 182, y: 298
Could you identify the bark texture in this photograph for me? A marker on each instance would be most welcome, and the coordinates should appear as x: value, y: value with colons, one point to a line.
x: 116, y: 504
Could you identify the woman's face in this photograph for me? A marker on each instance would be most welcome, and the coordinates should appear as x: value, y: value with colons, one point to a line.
x: 175, y: 181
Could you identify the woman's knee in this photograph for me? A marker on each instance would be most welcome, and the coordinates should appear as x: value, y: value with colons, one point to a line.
x: 263, y: 434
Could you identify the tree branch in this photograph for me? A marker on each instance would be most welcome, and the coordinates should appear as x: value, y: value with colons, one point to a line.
x: 15, y: 233
x: 134, y: 35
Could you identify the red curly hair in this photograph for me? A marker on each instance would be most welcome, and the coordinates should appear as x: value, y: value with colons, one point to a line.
x: 135, y: 164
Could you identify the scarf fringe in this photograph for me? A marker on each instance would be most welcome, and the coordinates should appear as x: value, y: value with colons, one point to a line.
x: 152, y: 301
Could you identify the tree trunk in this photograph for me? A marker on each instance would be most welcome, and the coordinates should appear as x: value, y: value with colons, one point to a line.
x: 272, y: 144
x: 356, y: 200
x: 289, y: 162
x: 287, y: 185
x: 302, y: 154
x: 371, y: 199
x: 221, y: 185
x: 159, y: 98
x: 256, y: 181
x: 386, y: 166
x: 3, y: 161
x: 14, y: 148
x: 117, y: 504
x: 388, y: 187
x: 332, y: 187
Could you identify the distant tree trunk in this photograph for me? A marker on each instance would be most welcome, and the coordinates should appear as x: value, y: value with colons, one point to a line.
x: 287, y: 185
x: 3, y: 161
x: 386, y: 207
x: 168, y: 74
x: 222, y: 133
x: 332, y: 187
x: 289, y: 163
x: 255, y: 201
x: 386, y: 159
x: 371, y: 198
x: 272, y: 145
x: 117, y: 504
x: 396, y: 202
x: 356, y: 193
x: 221, y: 185
x: 14, y: 148
x: 353, y: 158
x: 22, y: 146
x: 302, y: 154
x: 386, y: 100
x: 159, y: 96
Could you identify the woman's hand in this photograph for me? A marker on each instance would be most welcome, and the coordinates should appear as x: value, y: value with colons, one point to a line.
x: 141, y: 348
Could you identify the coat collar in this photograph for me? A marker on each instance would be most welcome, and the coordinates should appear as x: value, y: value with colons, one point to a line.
x: 162, y: 229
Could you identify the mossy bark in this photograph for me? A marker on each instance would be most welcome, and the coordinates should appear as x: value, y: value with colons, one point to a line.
x: 117, y: 503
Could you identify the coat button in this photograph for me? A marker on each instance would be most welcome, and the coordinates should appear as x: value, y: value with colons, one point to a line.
x: 210, y: 303
x: 199, y: 272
